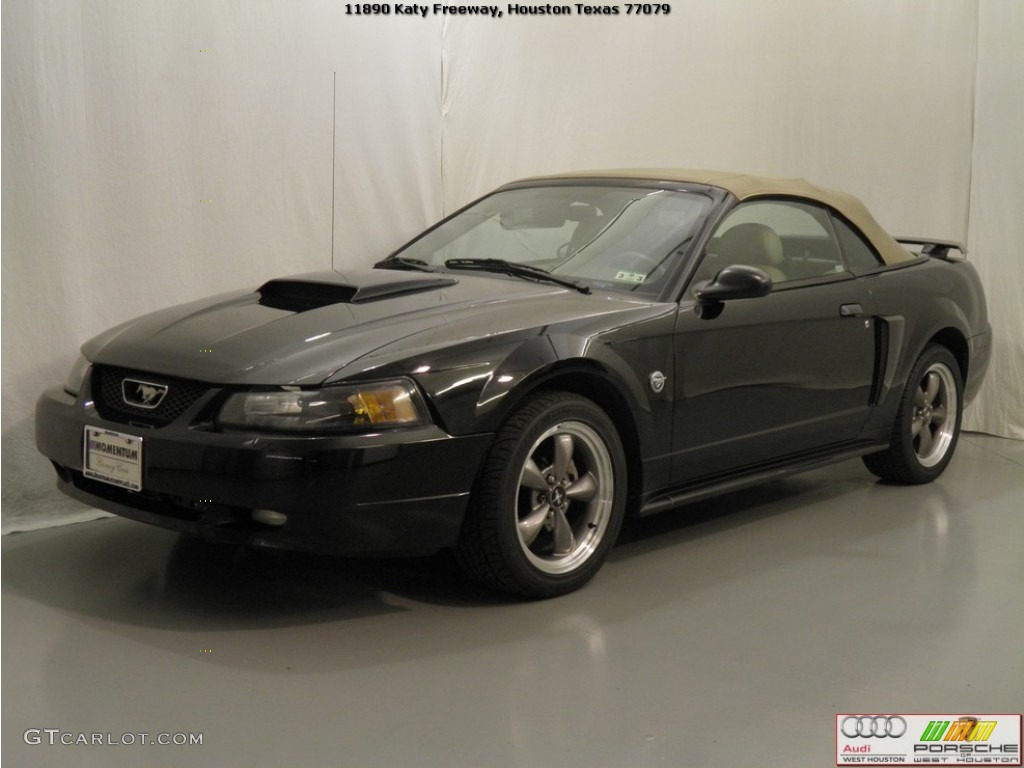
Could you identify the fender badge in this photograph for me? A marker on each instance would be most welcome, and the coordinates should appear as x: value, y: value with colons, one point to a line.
x: 657, y: 381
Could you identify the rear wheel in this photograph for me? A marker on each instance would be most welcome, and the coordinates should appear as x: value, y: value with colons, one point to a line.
x: 927, y: 425
x: 550, y: 499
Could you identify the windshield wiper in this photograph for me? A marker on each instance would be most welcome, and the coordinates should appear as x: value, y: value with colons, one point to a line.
x: 401, y: 262
x: 518, y: 270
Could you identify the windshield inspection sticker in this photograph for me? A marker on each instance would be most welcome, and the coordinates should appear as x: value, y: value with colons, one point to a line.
x: 624, y: 276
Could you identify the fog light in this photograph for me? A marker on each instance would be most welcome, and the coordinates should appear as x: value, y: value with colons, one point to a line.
x: 269, y: 517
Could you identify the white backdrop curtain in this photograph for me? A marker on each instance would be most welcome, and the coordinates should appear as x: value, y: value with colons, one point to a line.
x: 154, y: 152
x: 996, y: 232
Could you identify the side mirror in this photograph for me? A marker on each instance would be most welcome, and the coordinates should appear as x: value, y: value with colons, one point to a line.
x: 735, y: 282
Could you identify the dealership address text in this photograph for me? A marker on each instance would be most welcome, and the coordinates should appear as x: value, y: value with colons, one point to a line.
x: 512, y: 9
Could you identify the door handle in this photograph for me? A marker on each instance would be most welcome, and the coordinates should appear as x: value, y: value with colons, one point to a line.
x: 850, y: 310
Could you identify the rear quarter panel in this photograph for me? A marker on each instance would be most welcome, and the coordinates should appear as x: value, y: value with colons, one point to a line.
x: 929, y: 300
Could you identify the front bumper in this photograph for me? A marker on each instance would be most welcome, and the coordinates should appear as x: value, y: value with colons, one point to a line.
x: 400, y: 491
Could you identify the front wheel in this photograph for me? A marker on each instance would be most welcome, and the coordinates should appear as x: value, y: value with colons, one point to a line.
x: 927, y: 424
x: 550, y: 499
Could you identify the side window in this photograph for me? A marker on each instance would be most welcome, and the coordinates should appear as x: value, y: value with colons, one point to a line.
x: 859, y: 255
x: 789, y: 240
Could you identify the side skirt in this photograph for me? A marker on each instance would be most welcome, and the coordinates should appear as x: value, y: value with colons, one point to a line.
x: 753, y: 476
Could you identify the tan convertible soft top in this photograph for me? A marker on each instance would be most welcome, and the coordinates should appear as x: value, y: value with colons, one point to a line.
x: 745, y: 187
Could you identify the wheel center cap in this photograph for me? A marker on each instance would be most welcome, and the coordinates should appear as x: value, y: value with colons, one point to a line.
x: 558, y: 496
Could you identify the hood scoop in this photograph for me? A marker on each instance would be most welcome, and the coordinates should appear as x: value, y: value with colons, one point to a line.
x: 299, y: 295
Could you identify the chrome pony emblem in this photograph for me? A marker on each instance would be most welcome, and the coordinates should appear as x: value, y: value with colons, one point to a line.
x: 142, y: 394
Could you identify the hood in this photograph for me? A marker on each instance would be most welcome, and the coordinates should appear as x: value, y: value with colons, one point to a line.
x: 302, y: 329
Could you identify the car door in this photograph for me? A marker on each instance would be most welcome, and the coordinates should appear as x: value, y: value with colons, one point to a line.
x: 761, y: 380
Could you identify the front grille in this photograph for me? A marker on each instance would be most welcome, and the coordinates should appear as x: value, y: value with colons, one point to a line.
x: 107, y: 394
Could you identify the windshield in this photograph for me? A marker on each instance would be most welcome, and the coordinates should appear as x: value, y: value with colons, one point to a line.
x: 612, y: 238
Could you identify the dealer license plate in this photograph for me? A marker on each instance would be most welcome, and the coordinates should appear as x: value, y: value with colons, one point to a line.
x: 113, y: 457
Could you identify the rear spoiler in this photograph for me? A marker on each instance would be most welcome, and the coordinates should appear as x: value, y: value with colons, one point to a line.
x: 940, y: 249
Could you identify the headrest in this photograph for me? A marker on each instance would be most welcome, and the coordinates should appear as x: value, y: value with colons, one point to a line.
x: 751, y: 244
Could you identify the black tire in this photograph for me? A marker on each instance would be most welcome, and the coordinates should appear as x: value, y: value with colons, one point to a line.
x: 927, y: 424
x: 549, y: 501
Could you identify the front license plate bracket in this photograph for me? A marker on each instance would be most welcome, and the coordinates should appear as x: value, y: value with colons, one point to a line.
x: 112, y: 457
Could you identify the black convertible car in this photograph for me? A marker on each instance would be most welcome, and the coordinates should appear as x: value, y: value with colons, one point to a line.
x: 556, y: 355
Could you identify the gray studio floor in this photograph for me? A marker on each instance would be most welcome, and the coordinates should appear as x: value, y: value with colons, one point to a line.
x: 728, y: 633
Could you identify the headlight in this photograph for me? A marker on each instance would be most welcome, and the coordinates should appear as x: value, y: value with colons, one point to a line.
x: 372, y: 405
x: 76, y: 377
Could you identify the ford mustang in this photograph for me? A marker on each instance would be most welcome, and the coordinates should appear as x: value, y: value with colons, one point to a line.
x: 513, y: 382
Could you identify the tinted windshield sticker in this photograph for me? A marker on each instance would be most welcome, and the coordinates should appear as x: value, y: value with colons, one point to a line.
x: 624, y: 276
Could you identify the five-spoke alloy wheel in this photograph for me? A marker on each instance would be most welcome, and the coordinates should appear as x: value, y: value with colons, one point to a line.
x: 928, y: 422
x: 550, y: 499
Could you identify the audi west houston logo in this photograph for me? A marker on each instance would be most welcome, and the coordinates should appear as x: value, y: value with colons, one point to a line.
x: 902, y: 739
x: 876, y: 726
